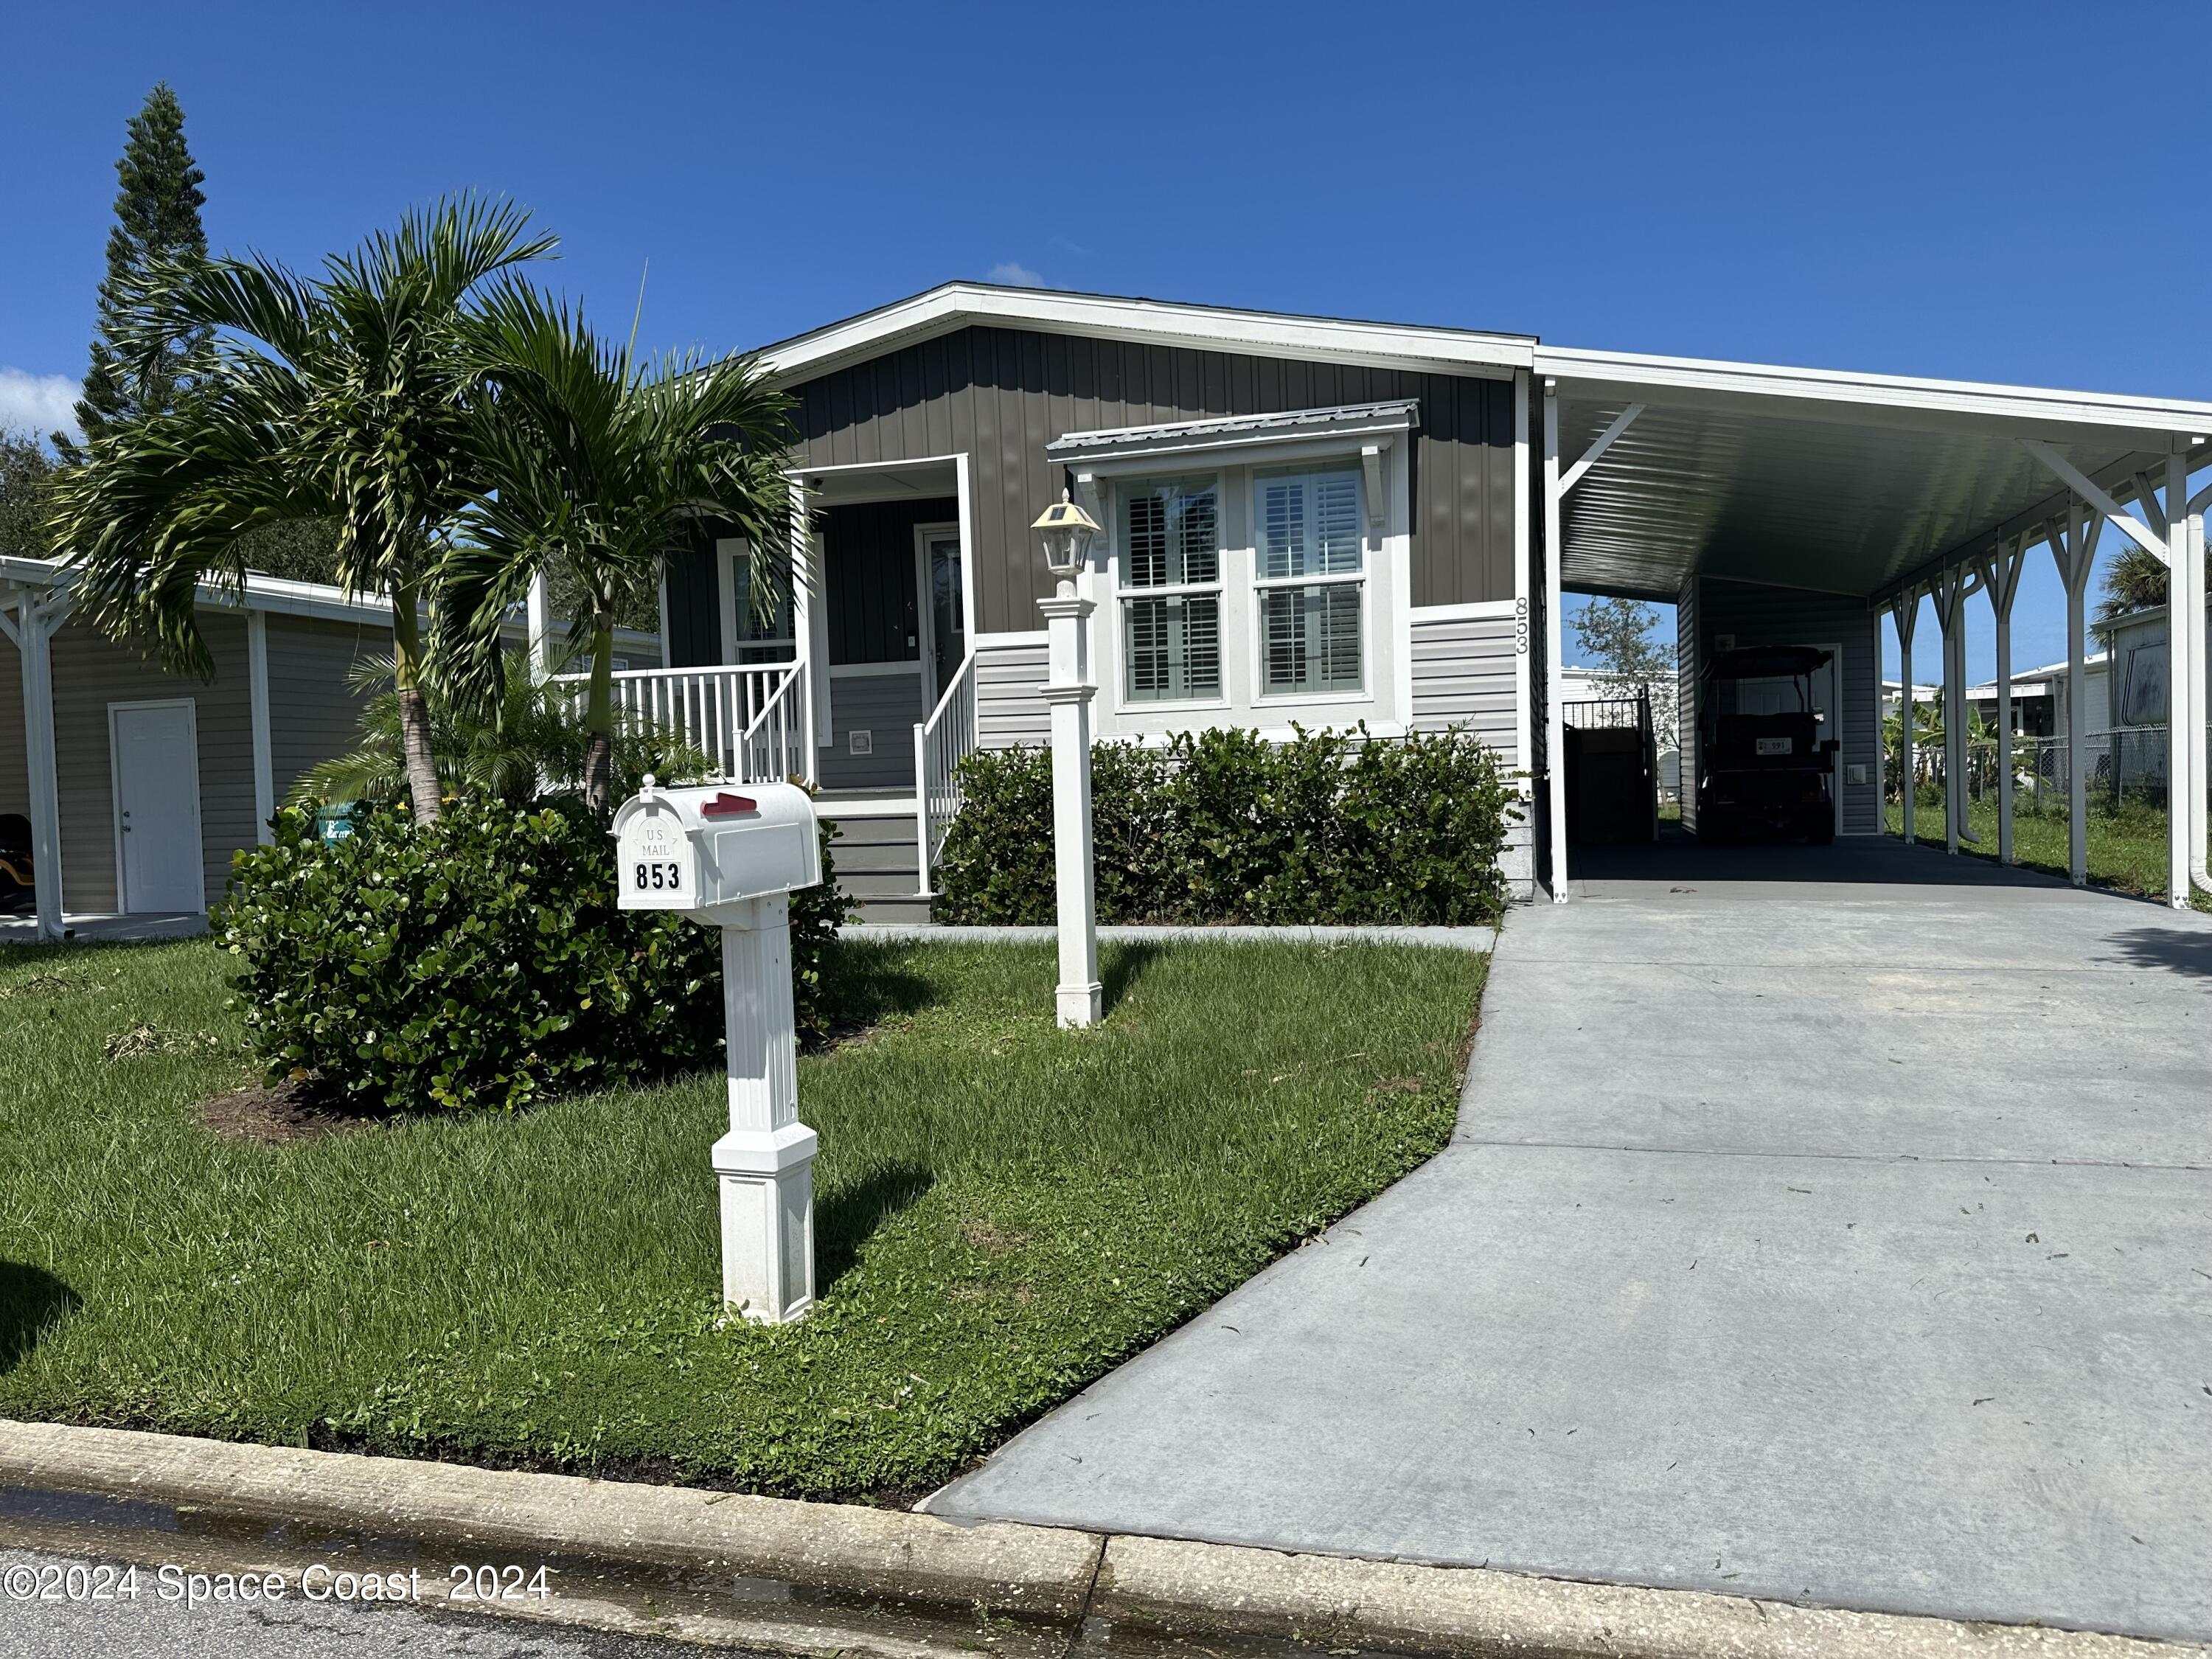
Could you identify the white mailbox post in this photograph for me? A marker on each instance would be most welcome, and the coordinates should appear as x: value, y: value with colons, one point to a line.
x: 728, y: 858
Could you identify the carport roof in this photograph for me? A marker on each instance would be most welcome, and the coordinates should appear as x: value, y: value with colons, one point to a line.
x: 1853, y: 484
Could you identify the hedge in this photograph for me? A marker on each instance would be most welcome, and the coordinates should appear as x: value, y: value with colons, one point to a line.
x: 479, y: 963
x: 1225, y: 827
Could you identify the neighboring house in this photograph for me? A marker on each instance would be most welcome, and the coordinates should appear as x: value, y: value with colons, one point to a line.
x: 156, y: 779
x: 1320, y: 522
x: 2039, y: 697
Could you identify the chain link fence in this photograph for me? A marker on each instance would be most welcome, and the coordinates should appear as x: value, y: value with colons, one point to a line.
x: 2123, y: 766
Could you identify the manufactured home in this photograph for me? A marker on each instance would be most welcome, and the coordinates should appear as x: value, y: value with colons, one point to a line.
x: 1314, y: 521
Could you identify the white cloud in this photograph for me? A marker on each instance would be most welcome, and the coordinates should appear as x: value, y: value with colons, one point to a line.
x: 38, y: 404
x: 1016, y: 275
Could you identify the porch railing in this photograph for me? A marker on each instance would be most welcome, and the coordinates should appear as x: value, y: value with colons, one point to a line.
x: 940, y: 744
x: 747, y: 718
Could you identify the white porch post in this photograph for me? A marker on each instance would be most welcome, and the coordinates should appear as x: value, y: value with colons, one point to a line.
x: 1555, y: 756
x: 256, y: 691
x: 1069, y: 692
x: 2189, y: 536
x: 33, y: 636
x: 541, y: 628
x: 2074, y: 550
x: 1950, y: 594
x: 2001, y: 581
x: 1907, y: 616
x: 2185, y: 644
x: 810, y: 629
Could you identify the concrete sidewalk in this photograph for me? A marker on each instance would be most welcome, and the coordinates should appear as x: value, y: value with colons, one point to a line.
x: 1832, y: 1226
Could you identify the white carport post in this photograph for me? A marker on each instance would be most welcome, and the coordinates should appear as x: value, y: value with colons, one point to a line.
x: 1949, y: 592
x: 2074, y: 550
x: 2001, y: 581
x: 1906, y: 614
x: 1555, y: 756
x: 32, y: 634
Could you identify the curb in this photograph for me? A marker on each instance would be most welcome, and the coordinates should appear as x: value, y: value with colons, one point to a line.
x: 1120, y: 1591
x: 1445, y: 938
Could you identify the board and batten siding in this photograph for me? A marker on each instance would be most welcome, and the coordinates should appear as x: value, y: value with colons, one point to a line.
x: 1758, y: 615
x: 314, y: 712
x: 999, y: 395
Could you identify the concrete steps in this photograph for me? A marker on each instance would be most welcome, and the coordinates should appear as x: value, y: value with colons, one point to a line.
x: 877, y: 860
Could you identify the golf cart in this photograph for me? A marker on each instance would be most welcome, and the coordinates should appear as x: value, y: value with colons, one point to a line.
x: 1765, y: 762
x: 18, y: 894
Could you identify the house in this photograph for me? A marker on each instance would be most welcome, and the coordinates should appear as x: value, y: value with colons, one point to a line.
x: 1316, y: 521
x: 146, y: 782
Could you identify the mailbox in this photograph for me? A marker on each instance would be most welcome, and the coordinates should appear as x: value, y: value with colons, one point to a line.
x: 726, y: 856
x: 705, y: 851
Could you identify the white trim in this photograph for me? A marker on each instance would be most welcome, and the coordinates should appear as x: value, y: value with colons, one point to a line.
x: 190, y: 706
x: 1524, y: 548
x: 256, y: 691
x: 728, y: 550
x: 1878, y: 392
x: 965, y: 489
x: 857, y: 670
x: 957, y: 304
x: 904, y: 465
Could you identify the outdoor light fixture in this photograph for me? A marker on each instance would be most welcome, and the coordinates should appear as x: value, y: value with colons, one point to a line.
x: 1065, y: 530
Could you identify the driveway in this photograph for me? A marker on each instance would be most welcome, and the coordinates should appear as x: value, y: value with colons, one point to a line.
x: 1832, y: 1225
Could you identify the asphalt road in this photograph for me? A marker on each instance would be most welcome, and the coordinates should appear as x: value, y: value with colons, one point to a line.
x: 148, y: 1625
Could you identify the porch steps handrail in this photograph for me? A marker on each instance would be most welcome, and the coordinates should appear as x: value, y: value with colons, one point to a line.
x: 940, y: 744
x: 774, y: 746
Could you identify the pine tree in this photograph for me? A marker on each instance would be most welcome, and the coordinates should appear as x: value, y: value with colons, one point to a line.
x: 157, y: 214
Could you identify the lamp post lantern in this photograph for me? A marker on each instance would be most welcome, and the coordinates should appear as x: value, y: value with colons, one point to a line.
x: 1065, y: 531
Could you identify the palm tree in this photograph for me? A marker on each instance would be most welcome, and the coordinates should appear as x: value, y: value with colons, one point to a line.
x: 2135, y: 579
x: 342, y: 397
x: 598, y: 465
x: 527, y: 744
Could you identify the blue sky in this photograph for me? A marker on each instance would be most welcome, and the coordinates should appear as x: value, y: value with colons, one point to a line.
x: 1976, y: 191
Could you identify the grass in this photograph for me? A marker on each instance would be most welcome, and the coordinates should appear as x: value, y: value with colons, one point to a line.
x: 2127, y: 847
x: 1004, y: 1210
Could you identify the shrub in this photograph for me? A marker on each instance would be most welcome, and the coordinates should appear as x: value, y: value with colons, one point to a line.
x: 479, y: 963
x: 1224, y: 827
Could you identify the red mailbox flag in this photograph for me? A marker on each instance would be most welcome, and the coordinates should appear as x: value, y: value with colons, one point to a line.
x: 728, y: 806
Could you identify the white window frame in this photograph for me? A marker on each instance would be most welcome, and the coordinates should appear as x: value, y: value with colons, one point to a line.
x: 1256, y: 641
x: 1124, y: 701
x: 1384, y: 701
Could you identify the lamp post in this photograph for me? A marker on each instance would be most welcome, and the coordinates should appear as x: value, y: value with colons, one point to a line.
x: 1065, y: 531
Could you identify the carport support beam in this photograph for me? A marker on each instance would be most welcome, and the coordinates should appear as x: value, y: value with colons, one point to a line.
x: 1906, y: 614
x: 2184, y: 639
x: 1555, y: 756
x: 2074, y: 550
x: 2001, y: 581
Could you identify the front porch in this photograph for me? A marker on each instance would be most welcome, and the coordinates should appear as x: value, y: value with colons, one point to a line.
x: 862, y: 687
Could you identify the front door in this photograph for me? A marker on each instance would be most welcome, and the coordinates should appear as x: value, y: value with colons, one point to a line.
x: 948, y: 625
x: 156, y: 750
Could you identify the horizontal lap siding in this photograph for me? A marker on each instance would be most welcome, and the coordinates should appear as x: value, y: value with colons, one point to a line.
x: 1010, y: 706
x: 1000, y: 395
x: 888, y: 706
x: 1758, y: 615
x: 314, y: 712
x: 1463, y: 675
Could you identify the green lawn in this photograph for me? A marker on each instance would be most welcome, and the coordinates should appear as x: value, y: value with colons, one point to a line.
x: 1004, y: 1212
x: 2127, y: 849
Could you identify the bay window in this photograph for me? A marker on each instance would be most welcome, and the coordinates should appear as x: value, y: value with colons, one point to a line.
x: 1171, y: 590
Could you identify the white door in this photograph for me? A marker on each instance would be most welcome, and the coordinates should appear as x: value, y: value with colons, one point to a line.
x: 155, y: 751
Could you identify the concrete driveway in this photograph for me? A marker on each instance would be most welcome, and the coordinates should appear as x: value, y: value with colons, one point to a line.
x: 1832, y: 1225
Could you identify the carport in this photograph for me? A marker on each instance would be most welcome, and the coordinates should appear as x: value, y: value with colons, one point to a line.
x: 1786, y: 507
